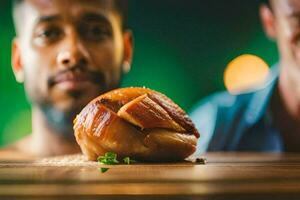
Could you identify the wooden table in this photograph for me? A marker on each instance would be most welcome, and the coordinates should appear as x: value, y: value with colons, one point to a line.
x: 225, y: 176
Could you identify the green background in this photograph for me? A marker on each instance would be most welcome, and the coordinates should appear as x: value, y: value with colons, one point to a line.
x: 181, y: 49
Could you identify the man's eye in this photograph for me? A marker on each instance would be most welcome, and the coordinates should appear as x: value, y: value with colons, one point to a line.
x: 50, y: 34
x: 95, y: 32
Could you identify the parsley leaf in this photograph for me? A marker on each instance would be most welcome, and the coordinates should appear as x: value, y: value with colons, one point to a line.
x: 128, y: 161
x: 103, y: 170
x: 109, y: 158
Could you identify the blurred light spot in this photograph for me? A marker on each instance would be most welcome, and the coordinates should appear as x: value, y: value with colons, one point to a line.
x: 244, y: 72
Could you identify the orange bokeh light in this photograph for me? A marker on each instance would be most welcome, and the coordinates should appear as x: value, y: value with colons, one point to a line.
x: 244, y: 72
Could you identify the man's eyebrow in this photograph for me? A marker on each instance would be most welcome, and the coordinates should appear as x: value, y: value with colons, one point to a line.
x: 94, y: 17
x: 48, y: 18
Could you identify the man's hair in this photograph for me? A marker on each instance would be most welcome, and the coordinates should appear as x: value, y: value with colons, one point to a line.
x: 121, y: 6
x: 266, y: 2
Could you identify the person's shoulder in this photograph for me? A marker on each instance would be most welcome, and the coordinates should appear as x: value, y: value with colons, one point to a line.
x: 224, y: 101
x: 234, y: 102
x: 214, y: 110
x: 219, y: 114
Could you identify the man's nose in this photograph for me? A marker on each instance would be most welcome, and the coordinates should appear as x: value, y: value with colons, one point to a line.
x: 73, y: 53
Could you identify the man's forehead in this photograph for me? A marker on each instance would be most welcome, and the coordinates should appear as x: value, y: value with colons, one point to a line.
x: 45, y: 6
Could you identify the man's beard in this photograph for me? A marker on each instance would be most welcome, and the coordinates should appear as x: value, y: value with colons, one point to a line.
x: 61, y: 121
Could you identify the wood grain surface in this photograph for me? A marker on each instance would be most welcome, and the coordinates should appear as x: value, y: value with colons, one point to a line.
x: 224, y: 176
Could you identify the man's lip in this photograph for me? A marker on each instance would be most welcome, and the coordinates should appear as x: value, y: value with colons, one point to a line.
x: 71, y: 81
x: 71, y: 77
x: 72, y: 85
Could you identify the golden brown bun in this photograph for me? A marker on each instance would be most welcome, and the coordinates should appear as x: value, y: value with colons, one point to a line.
x: 136, y: 122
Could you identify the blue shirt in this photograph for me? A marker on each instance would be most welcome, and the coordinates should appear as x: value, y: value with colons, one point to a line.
x: 239, y: 122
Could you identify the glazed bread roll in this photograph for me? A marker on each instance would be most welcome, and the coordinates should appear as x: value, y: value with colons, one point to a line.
x: 136, y: 122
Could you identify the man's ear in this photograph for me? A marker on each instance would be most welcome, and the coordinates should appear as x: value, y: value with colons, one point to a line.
x: 16, y: 61
x: 268, y: 21
x: 128, y: 51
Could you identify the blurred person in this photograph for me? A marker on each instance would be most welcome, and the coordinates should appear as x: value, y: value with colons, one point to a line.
x: 267, y: 118
x: 66, y: 53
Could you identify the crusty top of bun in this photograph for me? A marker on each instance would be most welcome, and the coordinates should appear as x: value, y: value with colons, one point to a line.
x: 174, y: 117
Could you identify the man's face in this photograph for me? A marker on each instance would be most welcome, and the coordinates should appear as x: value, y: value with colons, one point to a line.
x: 287, y: 25
x: 70, y: 51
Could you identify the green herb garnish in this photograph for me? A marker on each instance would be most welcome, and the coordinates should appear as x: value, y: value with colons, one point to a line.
x: 128, y: 161
x: 110, y: 158
x: 103, y: 170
